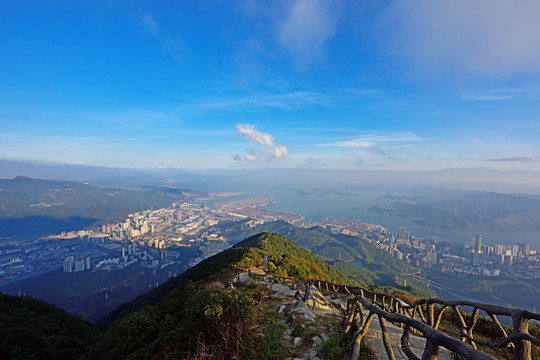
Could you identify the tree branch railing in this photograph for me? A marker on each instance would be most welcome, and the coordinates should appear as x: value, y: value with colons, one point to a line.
x: 423, y: 316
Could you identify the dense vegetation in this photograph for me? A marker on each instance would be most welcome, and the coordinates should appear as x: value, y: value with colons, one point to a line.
x: 194, y: 315
x: 33, y: 329
x: 353, y: 255
x: 198, y: 320
x: 218, y: 266
x: 244, y: 255
x: 287, y: 259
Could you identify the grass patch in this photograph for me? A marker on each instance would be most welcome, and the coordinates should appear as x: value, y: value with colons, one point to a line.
x: 273, y: 348
x: 331, y: 350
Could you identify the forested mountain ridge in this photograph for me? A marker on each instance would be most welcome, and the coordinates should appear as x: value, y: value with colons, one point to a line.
x: 31, y: 208
x: 23, y: 196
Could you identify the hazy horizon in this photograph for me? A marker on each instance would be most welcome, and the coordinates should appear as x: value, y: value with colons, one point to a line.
x: 259, y: 180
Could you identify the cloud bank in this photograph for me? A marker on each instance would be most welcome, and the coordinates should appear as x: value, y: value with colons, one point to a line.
x: 486, y: 37
x: 516, y: 159
x: 375, y: 142
x: 266, y: 150
x: 307, y: 27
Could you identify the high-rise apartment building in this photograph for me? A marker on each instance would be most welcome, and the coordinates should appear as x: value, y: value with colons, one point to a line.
x: 478, y: 244
x: 402, y: 233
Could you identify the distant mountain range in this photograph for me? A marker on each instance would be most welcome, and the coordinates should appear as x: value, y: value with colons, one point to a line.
x: 31, y: 207
x: 479, y: 211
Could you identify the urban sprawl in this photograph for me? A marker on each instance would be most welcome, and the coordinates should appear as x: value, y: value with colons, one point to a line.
x: 156, y: 238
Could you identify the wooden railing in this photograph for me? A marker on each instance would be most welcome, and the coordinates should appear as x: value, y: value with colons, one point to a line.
x: 423, y: 316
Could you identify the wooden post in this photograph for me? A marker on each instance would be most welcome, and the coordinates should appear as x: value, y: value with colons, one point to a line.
x: 405, y: 343
x: 421, y: 313
x: 386, y: 340
x: 358, y: 340
x: 462, y: 324
x: 472, y: 324
x: 431, y: 351
x: 522, y: 348
x: 351, y: 303
x: 501, y: 329
x: 431, y: 314
x: 439, y: 317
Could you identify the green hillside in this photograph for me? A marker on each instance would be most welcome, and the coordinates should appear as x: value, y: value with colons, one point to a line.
x: 353, y: 255
x: 33, y: 329
x: 31, y: 207
x: 287, y: 258
x: 192, y: 314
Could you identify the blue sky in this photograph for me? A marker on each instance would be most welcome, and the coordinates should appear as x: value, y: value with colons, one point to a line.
x: 382, y: 85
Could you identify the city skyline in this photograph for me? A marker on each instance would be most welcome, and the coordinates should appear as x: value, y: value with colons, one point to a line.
x: 401, y: 86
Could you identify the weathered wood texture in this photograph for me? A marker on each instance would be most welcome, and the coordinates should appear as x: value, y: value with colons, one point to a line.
x: 423, y: 317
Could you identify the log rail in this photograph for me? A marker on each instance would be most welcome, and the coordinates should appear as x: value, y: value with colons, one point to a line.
x: 423, y: 316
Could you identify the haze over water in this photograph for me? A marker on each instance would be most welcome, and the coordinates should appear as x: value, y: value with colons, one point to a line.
x: 357, y: 207
x: 351, y: 195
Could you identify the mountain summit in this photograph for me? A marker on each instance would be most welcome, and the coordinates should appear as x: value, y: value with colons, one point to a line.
x: 206, y: 309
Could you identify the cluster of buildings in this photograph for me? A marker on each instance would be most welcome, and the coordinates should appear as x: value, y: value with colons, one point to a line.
x: 135, y: 225
x: 128, y: 255
x: 36, y: 257
x: 152, y: 238
x: 347, y: 227
x: 503, y: 254
x: 473, y: 258
x: 156, y: 238
x: 76, y: 264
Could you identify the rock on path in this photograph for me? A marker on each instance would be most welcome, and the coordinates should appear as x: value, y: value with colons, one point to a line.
x: 317, y: 303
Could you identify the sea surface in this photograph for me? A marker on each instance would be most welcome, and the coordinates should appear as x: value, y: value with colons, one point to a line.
x: 356, y: 206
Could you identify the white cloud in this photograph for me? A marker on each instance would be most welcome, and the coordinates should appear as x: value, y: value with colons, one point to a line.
x: 280, y: 152
x: 515, y: 159
x: 269, y: 150
x: 372, y: 142
x: 285, y: 101
x: 523, y: 91
x: 171, y: 44
x: 309, y: 24
x: 251, y: 157
x: 359, y: 143
x: 486, y: 37
x: 149, y: 24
